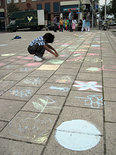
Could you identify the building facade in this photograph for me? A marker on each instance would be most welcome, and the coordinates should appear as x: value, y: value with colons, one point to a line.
x: 53, y: 7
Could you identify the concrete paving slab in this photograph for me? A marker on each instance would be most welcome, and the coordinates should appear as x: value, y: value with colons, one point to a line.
x: 54, y: 89
x: 89, y: 77
x: 25, y: 69
x: 70, y: 65
x: 2, y: 125
x: 42, y: 73
x: 110, y: 110
x: 110, y: 138
x: 10, y: 67
x: 19, y: 93
x: 85, y: 99
x: 109, y: 74
x: 8, y: 109
x: 10, y: 147
x: 30, y: 127
x: 45, y: 104
x: 66, y: 71
x: 75, y: 113
x: 110, y: 82
x: 6, y: 85
x: 32, y: 81
x: 109, y: 94
x: 4, y: 73
x: 60, y: 150
x: 16, y: 76
x: 66, y: 79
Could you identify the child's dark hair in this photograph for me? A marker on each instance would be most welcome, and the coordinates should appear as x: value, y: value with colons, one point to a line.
x: 49, y: 38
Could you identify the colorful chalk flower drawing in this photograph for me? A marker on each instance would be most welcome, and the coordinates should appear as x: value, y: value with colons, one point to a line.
x: 77, y: 135
x: 34, y: 82
x: 29, y: 128
x: 94, y: 101
x: 92, y: 85
x: 21, y: 93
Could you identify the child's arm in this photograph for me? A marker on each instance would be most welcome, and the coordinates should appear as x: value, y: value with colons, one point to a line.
x: 48, y: 48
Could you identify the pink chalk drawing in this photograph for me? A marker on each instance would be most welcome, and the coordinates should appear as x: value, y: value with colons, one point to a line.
x: 92, y: 85
x: 19, y: 57
x: 28, y: 58
x: 92, y: 54
x: 34, y: 64
x: 78, y: 52
x: 2, y: 64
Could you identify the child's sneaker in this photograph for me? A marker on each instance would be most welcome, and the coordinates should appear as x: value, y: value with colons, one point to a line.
x: 36, y: 58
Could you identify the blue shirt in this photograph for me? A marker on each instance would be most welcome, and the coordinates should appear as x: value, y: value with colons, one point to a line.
x: 39, y: 40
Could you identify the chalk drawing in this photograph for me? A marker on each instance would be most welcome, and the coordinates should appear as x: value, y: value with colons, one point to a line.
x: 63, y: 89
x: 77, y: 135
x: 95, y: 45
x: 27, y: 58
x: 34, y: 64
x: 25, y: 69
x: 92, y: 54
x: 3, y: 45
x: 104, y: 68
x: 56, y: 61
x: 34, y: 82
x: 64, y: 79
x: 21, y: 93
x: 93, y: 69
x: 92, y: 85
x: 2, y: 64
x: 5, y: 55
x: 48, y: 67
x: 93, y: 101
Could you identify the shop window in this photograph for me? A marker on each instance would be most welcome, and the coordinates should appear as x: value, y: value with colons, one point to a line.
x: 39, y: 6
x: 47, y: 6
x: 56, y: 7
x: 16, y: 1
x: 23, y: 1
x: 8, y: 1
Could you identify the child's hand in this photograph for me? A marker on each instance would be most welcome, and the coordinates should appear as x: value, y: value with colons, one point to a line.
x: 56, y: 55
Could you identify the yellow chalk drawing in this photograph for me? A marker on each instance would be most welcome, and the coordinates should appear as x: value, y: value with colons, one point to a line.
x: 48, y: 67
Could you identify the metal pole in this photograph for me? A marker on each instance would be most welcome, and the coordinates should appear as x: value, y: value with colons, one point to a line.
x: 105, y: 10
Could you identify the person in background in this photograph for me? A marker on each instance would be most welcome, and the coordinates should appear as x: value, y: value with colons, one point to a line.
x: 88, y: 22
x: 55, y: 24
x: 38, y: 46
x: 84, y: 25
x: 65, y: 24
x: 74, y: 22
x: 70, y: 20
x: 61, y: 22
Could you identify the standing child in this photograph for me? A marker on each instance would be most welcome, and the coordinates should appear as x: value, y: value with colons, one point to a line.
x: 38, y: 46
x: 74, y: 22
x: 61, y: 24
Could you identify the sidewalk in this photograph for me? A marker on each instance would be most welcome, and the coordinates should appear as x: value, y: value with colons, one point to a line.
x: 61, y: 106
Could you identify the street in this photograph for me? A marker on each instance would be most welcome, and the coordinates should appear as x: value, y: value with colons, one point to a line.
x: 63, y: 105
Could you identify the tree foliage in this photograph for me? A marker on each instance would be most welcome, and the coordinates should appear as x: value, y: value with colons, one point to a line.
x: 12, y: 8
x: 114, y: 7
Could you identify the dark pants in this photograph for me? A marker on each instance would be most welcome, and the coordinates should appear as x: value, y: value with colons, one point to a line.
x: 36, y: 50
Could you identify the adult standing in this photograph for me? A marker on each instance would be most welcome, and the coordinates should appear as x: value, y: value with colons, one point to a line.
x: 55, y: 24
x: 88, y: 21
x: 70, y: 20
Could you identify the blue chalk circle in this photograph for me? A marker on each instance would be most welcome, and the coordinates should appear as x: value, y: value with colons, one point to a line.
x: 77, y: 135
